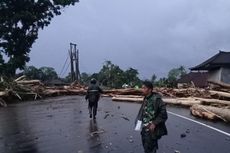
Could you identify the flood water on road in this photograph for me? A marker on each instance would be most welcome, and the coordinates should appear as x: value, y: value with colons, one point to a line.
x: 62, y: 125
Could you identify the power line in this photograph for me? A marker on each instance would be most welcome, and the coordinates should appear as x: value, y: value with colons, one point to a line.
x: 66, y: 68
x: 63, y: 66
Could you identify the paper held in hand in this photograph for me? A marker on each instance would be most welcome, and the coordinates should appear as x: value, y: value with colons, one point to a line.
x: 138, y: 125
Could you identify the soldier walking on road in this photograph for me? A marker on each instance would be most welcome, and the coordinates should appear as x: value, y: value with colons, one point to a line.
x: 153, y: 115
x: 93, y: 96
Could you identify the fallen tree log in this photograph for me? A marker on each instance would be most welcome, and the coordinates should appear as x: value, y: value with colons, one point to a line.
x: 129, y: 91
x: 191, y: 92
x: 220, y: 94
x: 187, y: 102
x: 217, y: 102
x: 33, y: 82
x: 128, y: 96
x: 20, y: 78
x: 127, y: 99
x: 58, y: 92
x: 210, y: 112
x: 220, y: 84
x: 4, y: 93
x: 201, y: 112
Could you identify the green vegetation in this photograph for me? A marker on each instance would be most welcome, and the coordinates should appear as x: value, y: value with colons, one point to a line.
x: 20, y: 21
x: 113, y: 76
x: 43, y: 73
x: 171, y: 81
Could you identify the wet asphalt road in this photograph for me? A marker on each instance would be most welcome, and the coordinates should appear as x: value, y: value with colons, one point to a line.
x: 62, y: 125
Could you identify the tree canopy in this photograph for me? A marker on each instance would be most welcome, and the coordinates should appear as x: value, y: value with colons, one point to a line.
x: 43, y: 73
x: 113, y: 76
x: 20, y: 21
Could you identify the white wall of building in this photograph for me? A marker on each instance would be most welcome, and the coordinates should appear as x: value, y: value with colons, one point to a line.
x: 215, y: 75
x: 225, y: 75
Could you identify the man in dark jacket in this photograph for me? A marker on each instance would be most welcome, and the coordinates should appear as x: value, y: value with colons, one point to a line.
x: 153, y: 116
x: 93, y: 96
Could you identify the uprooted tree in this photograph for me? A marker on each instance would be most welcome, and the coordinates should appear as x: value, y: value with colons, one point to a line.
x: 20, y: 21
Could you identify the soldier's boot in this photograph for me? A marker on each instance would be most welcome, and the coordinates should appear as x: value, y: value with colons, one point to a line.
x: 94, y: 112
x: 90, y: 112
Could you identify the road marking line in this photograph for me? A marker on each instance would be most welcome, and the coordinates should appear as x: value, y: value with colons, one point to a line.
x: 208, y: 126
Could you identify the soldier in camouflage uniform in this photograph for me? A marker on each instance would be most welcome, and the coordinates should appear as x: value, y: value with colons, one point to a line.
x: 154, y: 116
x: 93, y: 96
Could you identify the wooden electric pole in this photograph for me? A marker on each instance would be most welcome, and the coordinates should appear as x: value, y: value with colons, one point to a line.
x: 74, y: 62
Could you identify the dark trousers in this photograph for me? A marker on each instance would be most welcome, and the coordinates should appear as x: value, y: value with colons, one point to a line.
x: 150, y: 144
x: 93, y: 108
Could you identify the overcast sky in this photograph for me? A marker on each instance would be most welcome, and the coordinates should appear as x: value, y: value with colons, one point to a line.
x: 152, y: 36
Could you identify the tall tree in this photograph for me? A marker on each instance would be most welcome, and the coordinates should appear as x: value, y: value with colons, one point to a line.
x: 131, y: 77
x: 48, y: 73
x: 20, y: 21
x: 32, y: 72
x: 43, y: 73
x: 153, y: 78
x: 175, y: 74
x: 111, y: 75
x: 85, y: 78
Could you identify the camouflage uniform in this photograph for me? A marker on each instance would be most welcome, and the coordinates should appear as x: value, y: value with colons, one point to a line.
x: 93, y: 96
x: 154, y: 111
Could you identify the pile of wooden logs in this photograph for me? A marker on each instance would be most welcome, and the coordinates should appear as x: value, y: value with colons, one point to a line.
x: 23, y: 89
x: 212, y: 104
x: 128, y: 91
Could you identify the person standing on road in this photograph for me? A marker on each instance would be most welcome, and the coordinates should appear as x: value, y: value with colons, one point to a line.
x: 153, y: 117
x: 93, y: 96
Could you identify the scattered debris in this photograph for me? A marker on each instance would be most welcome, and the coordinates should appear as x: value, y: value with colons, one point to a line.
x: 204, y: 103
x: 96, y: 132
x: 211, y: 112
x: 187, y: 131
x: 183, y: 135
x: 130, y: 139
x: 106, y: 116
x: 212, y: 103
x: 125, y: 118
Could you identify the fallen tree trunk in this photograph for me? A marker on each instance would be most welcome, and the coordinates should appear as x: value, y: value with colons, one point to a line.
x: 190, y: 92
x: 4, y: 93
x: 128, y: 96
x: 217, y: 102
x: 210, y: 112
x: 58, y: 92
x: 129, y: 91
x: 33, y: 82
x: 20, y: 78
x: 187, y: 102
x: 200, y: 111
x: 127, y: 99
x: 220, y: 94
x: 220, y: 84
